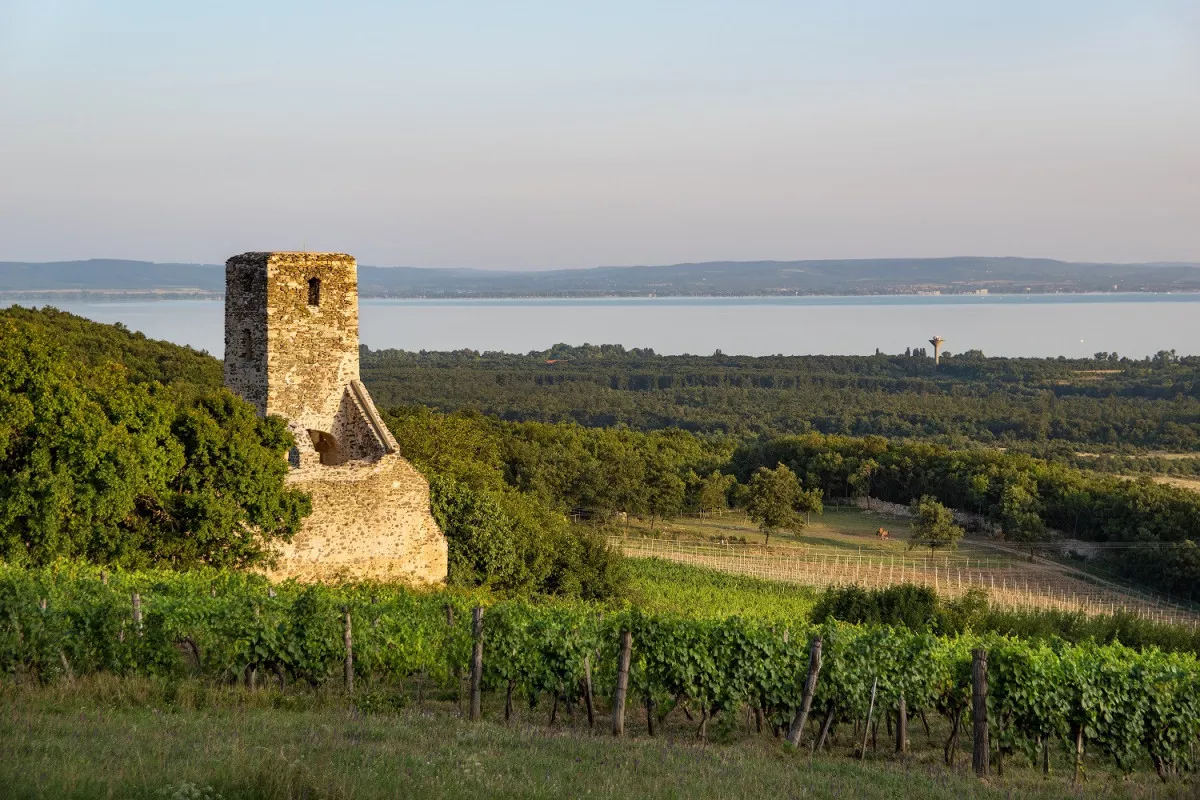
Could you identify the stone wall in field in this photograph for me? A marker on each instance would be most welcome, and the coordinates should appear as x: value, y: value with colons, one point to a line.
x: 964, y: 518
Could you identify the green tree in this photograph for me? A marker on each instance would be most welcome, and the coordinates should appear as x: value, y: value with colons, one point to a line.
x: 713, y: 494
x: 231, y: 493
x: 97, y: 466
x: 934, y: 525
x: 860, y: 480
x: 486, y: 548
x: 664, y: 492
x: 1018, y: 516
x: 775, y: 498
x: 808, y: 501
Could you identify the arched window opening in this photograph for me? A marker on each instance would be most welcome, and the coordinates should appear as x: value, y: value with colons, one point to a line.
x: 325, y: 444
x: 314, y: 291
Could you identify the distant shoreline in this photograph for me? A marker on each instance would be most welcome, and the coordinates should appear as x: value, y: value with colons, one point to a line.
x: 152, y: 295
x: 104, y: 279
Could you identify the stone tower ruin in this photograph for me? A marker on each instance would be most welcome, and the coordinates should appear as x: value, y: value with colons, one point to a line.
x: 291, y: 349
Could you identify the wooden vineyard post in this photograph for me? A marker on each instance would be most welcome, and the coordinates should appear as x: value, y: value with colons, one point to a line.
x: 66, y: 665
x: 348, y: 640
x: 587, y: 690
x: 825, y: 726
x: 477, y: 665
x: 1078, y: 753
x: 618, y: 720
x: 867, y: 728
x: 902, y: 728
x: 458, y: 673
x: 796, y: 732
x: 979, y: 692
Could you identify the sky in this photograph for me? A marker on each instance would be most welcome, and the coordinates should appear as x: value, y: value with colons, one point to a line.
x: 557, y: 134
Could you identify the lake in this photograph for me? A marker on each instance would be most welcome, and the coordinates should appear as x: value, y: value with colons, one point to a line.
x: 1133, y: 325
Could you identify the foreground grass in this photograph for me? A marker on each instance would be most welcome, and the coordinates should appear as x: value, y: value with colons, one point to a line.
x: 114, y: 737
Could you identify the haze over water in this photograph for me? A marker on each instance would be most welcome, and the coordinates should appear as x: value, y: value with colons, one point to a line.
x: 1133, y: 325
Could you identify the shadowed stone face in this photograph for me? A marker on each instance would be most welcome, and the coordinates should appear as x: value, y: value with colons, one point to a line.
x: 291, y: 349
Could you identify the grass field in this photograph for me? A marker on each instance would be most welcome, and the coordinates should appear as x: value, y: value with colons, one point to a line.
x: 1180, y: 483
x: 135, y: 738
x: 841, y: 547
x: 838, y: 531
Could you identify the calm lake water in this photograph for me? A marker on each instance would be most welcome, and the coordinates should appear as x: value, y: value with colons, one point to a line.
x: 1135, y: 325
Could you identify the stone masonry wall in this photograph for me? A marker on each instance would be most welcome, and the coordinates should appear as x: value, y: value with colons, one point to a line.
x: 369, y: 520
x: 284, y: 355
x: 246, y: 329
x: 299, y: 359
x: 312, y: 351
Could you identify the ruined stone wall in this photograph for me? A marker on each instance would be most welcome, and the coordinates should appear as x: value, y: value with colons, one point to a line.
x: 291, y: 348
x: 369, y: 520
x: 357, y: 427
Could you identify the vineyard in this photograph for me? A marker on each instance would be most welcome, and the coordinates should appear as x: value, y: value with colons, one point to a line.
x: 1009, y: 583
x: 1134, y: 709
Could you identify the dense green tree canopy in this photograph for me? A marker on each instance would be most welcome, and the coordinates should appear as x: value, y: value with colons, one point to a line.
x: 1052, y: 405
x: 712, y: 492
x: 501, y: 508
x: 100, y: 462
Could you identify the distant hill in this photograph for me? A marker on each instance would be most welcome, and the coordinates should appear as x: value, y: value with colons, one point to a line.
x: 717, y: 278
x: 105, y: 274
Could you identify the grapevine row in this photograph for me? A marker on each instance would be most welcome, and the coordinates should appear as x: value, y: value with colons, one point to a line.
x: 1135, y: 708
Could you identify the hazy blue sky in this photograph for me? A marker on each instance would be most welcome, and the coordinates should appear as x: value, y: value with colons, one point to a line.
x: 548, y: 134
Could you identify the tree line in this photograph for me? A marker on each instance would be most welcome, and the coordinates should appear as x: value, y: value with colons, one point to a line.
x: 1101, y: 403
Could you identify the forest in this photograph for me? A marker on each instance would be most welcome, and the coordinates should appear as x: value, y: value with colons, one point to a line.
x: 193, y: 464
x: 117, y: 449
x: 1045, y: 406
